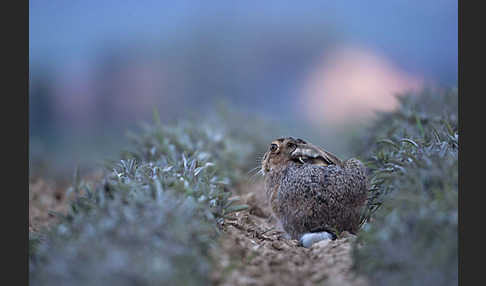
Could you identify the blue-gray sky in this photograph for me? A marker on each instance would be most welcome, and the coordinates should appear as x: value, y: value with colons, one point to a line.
x: 100, y: 64
x: 420, y: 36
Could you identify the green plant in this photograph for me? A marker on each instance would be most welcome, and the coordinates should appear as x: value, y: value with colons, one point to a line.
x: 413, y: 163
x: 154, y: 217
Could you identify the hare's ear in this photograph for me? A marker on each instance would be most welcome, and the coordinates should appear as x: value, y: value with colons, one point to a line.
x: 330, y: 158
x: 316, y: 155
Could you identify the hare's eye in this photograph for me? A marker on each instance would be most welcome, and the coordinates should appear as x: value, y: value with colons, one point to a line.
x: 273, y: 147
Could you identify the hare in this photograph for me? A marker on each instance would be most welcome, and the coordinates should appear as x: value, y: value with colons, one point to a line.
x: 311, y: 191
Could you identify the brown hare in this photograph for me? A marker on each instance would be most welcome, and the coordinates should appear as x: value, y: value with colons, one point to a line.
x: 312, y: 192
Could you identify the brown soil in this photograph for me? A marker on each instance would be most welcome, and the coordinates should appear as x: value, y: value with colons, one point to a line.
x: 254, y: 251
x: 46, y: 197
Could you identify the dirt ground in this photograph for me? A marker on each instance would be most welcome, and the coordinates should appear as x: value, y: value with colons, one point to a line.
x: 254, y: 252
x: 45, y: 196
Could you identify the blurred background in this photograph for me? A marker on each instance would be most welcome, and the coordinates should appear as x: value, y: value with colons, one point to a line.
x: 98, y: 68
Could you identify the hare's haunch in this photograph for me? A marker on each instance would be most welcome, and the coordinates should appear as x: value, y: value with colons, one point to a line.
x: 312, y: 192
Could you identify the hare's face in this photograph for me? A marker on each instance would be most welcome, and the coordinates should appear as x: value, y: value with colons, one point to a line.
x: 279, y: 153
x: 285, y: 150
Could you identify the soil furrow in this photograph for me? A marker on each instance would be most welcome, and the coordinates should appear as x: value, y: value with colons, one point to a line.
x: 254, y: 251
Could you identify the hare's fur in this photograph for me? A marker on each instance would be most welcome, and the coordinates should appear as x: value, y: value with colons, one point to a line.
x: 310, y: 198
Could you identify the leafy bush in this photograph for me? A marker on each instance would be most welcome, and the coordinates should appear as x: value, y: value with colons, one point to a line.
x: 154, y: 217
x: 413, y: 164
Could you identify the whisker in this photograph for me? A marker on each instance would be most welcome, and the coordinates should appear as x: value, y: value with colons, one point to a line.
x: 257, y: 171
x: 259, y: 159
x: 253, y: 169
x: 260, y: 155
x: 257, y: 174
x: 252, y: 179
x: 260, y: 172
x: 253, y: 174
